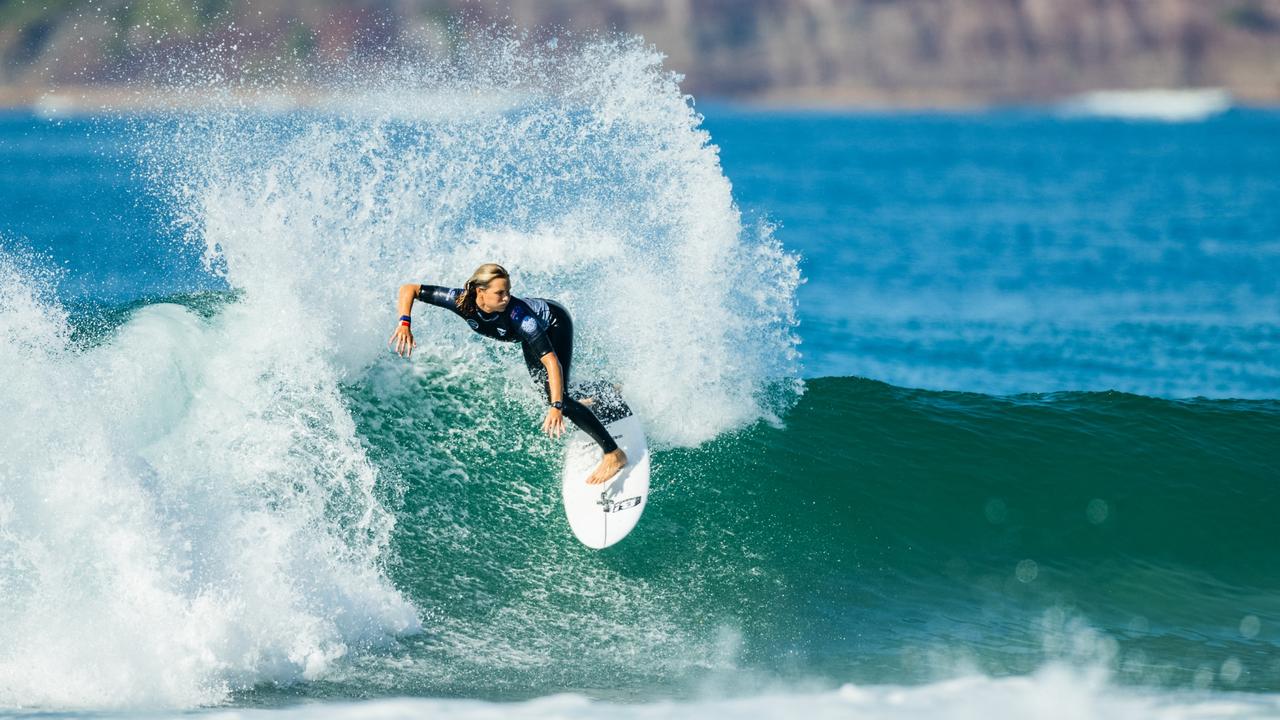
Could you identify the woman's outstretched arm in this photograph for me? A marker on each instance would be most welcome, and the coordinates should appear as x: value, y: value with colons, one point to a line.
x: 402, y: 338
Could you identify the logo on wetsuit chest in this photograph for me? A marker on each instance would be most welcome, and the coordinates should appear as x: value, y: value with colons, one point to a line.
x: 502, y: 332
x: 474, y: 325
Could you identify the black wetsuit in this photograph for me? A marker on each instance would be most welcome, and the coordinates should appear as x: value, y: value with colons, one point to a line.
x: 540, y: 326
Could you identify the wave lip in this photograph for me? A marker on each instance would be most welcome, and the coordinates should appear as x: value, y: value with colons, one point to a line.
x: 1163, y: 104
x: 586, y: 173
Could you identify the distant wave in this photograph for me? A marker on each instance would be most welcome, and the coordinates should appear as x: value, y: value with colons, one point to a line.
x: 1154, y: 104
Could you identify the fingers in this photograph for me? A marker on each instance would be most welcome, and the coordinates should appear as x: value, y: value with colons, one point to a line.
x: 404, y: 343
x: 553, y: 425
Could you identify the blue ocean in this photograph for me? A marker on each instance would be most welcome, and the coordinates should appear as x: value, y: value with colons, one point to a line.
x: 953, y: 414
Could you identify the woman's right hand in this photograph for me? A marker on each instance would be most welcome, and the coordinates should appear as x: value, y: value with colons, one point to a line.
x: 402, y: 340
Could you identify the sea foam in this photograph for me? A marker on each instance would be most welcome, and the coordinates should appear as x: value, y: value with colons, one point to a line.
x: 1054, y: 693
x: 185, y: 509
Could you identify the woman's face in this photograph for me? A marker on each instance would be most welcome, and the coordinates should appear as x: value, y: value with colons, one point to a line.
x: 495, y: 297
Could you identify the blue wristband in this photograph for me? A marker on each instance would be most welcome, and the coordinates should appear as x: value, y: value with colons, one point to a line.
x: 405, y: 318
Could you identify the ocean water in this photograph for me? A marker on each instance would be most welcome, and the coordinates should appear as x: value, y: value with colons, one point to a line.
x: 967, y: 415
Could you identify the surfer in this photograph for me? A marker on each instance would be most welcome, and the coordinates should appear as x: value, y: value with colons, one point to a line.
x: 545, y: 333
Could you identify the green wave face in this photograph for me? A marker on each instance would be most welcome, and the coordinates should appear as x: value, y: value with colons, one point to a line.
x: 880, y: 535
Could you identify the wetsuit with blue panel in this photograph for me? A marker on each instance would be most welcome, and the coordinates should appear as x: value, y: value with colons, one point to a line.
x: 541, y: 327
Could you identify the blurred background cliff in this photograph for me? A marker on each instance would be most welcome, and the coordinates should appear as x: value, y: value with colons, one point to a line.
x: 893, y: 53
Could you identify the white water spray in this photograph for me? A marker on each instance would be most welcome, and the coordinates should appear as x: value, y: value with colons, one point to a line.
x: 186, y: 507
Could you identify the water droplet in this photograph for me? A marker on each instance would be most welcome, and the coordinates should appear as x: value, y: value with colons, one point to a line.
x: 996, y: 511
x: 1250, y: 626
x: 1231, y: 670
x: 1027, y: 571
x: 1097, y: 511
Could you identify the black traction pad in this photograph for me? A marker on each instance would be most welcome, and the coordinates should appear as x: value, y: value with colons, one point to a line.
x: 606, y: 401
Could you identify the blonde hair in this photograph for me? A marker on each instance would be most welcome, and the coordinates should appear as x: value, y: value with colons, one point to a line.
x: 481, y: 278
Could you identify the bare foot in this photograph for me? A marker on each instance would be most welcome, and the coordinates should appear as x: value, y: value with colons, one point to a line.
x: 609, y: 466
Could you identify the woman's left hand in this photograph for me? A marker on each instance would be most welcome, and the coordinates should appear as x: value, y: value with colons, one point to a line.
x: 553, y: 426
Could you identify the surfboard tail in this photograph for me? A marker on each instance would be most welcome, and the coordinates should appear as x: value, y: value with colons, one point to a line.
x: 604, y: 399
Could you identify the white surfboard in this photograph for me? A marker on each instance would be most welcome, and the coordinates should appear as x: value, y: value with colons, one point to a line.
x: 601, y: 515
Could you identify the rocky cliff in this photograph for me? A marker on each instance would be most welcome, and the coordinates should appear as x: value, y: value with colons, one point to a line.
x: 824, y: 52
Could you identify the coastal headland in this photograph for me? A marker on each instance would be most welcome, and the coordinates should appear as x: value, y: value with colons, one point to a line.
x: 800, y: 53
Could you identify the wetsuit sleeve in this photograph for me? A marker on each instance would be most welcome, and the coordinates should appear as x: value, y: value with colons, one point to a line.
x: 533, y: 333
x: 439, y: 296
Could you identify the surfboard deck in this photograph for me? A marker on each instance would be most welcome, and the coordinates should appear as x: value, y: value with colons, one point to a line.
x: 601, y: 515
